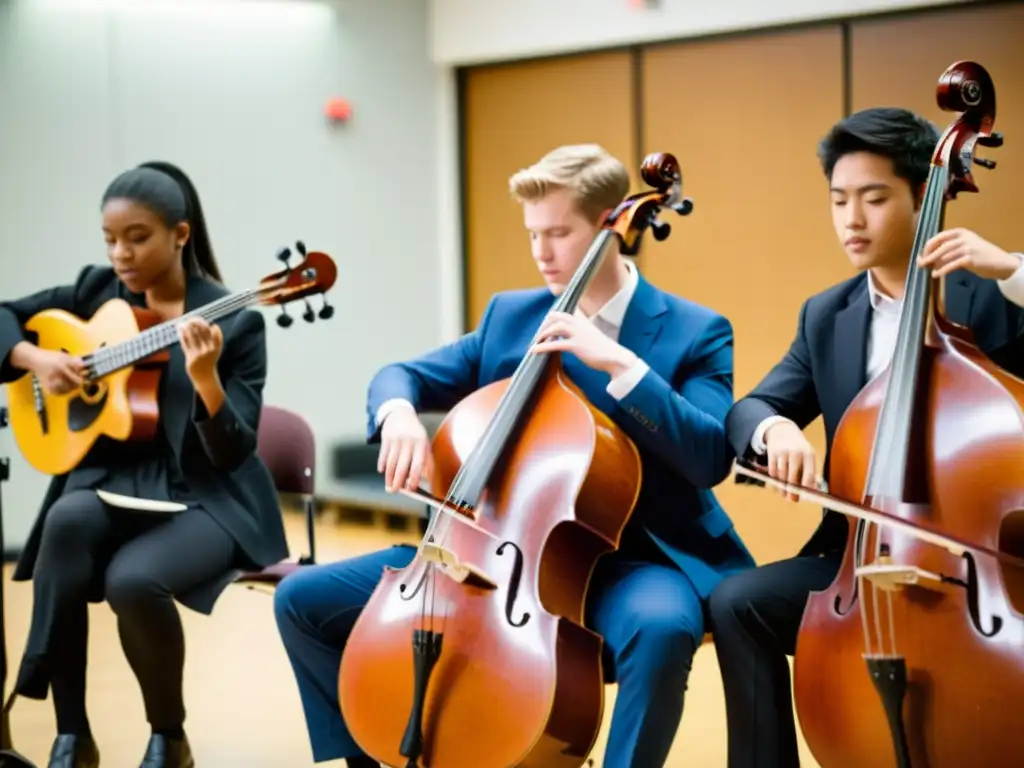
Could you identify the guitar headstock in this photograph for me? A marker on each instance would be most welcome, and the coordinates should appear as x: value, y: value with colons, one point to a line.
x: 314, y: 275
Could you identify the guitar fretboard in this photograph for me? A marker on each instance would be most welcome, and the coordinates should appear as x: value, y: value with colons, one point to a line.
x: 109, y: 359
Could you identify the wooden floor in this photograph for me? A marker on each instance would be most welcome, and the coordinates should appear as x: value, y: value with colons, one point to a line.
x: 243, y: 707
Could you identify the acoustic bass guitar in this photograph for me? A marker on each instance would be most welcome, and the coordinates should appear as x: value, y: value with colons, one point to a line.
x: 124, y: 350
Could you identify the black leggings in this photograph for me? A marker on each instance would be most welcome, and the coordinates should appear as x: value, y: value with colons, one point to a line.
x: 152, y: 560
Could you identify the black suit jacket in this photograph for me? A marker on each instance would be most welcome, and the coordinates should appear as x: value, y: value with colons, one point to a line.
x: 217, y: 456
x: 824, y: 369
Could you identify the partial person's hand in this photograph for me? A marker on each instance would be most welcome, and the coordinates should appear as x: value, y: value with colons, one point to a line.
x: 791, y: 456
x: 404, y: 455
x: 961, y: 248
x: 562, y: 332
x: 58, y: 372
x: 201, y: 344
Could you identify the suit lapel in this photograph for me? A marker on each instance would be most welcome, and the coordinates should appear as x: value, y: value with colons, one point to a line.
x: 643, y: 320
x: 640, y: 327
x: 959, y: 297
x: 851, y: 345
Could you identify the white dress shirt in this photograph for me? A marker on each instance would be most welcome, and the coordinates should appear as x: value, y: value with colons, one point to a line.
x: 885, y: 323
x: 608, y: 320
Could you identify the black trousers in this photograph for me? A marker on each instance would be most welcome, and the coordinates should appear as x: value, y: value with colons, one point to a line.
x: 755, y: 617
x: 148, y: 560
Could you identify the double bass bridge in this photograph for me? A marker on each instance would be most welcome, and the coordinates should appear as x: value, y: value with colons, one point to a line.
x: 892, y: 577
x: 451, y: 566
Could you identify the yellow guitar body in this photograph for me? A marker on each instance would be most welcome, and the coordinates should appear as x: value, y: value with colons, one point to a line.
x: 55, y: 432
x: 121, y: 399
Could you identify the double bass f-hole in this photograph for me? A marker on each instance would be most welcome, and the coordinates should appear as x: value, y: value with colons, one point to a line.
x: 513, y: 583
x: 858, y: 534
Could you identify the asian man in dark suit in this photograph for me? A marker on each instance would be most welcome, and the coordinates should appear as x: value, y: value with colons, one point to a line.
x: 661, y: 367
x: 876, y: 162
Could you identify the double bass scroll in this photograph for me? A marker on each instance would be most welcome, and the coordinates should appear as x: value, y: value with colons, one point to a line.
x: 475, y: 655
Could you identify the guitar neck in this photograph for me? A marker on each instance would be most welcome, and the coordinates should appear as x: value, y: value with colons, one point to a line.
x: 110, y: 359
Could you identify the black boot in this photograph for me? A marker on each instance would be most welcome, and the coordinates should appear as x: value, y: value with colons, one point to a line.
x: 71, y: 751
x: 165, y: 752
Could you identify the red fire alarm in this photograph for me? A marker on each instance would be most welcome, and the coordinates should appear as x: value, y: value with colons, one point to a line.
x: 338, y: 110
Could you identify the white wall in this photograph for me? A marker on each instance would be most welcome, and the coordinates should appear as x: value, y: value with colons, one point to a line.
x: 476, y: 31
x: 90, y: 87
x: 235, y: 96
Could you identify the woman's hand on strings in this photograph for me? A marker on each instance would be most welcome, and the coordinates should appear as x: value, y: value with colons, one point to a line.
x: 201, y: 344
x: 58, y: 372
x: 405, y: 455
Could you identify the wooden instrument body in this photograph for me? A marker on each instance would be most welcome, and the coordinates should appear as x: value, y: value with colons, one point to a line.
x: 519, y: 681
x: 123, y: 405
x: 965, y: 471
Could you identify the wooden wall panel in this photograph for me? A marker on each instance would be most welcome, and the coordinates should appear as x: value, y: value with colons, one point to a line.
x: 744, y: 115
x: 898, y: 63
x: 515, y: 113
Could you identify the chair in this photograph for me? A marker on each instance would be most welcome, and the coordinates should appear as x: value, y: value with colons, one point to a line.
x: 286, y: 444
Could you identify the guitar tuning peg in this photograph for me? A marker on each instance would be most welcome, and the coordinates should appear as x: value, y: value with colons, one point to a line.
x: 300, y: 247
x: 326, y: 311
x: 284, y: 319
x: 308, y: 315
x: 283, y: 255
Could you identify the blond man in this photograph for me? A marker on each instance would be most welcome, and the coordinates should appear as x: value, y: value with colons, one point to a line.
x: 661, y: 367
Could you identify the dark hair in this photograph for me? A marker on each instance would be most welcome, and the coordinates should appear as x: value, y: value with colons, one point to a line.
x: 907, y: 139
x: 169, y: 193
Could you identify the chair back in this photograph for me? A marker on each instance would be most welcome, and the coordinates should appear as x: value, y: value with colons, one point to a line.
x: 286, y: 444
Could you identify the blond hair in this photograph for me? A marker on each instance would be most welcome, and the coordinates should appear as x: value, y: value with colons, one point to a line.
x: 596, y: 179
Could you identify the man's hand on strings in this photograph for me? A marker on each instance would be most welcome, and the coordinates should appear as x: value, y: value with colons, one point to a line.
x: 791, y: 456
x: 583, y: 339
x: 961, y: 248
x: 404, y: 455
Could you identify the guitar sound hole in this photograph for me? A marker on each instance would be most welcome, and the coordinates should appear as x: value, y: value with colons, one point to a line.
x: 83, y: 411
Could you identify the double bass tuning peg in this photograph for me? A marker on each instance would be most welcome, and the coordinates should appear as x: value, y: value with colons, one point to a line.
x: 660, y: 229
x: 993, y: 140
x: 684, y: 207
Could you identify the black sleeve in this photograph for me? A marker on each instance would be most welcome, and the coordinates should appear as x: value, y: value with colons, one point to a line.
x: 788, y: 391
x: 1009, y: 354
x: 229, y: 436
x: 15, y: 314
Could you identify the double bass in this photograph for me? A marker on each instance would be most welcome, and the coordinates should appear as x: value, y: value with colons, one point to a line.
x: 475, y: 655
x: 914, y: 656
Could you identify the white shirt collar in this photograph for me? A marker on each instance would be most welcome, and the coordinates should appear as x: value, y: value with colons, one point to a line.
x: 879, y: 301
x: 614, y: 311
